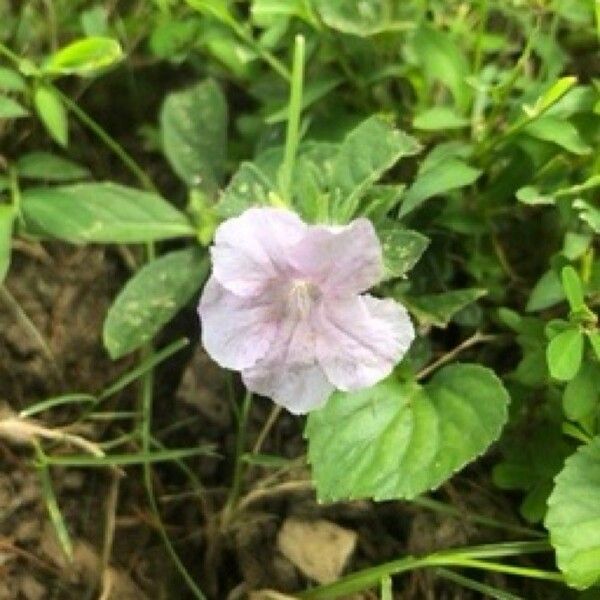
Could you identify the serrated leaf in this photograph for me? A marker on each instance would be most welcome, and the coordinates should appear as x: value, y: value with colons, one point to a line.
x: 366, y: 153
x: 194, y: 132
x: 558, y: 131
x: 438, y: 309
x: 84, y: 57
x: 11, y: 109
x: 443, y: 177
x: 44, y: 165
x: 574, y: 514
x: 564, y: 354
x: 7, y: 217
x: 11, y: 81
x: 402, y: 248
x: 52, y: 113
x: 398, y: 440
x: 101, y: 212
x: 151, y: 298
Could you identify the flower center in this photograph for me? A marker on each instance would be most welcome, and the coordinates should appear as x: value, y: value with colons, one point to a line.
x: 301, y: 297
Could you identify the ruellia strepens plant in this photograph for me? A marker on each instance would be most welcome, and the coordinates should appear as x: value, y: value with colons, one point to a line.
x: 391, y: 231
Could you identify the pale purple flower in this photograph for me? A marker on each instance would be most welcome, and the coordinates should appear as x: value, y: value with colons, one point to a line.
x: 285, y: 305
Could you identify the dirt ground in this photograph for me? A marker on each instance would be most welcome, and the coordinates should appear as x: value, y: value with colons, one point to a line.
x: 280, y: 540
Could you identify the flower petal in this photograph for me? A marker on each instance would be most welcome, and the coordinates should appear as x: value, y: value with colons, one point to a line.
x: 361, y: 339
x: 289, y: 373
x: 252, y: 249
x: 342, y: 259
x: 236, y: 331
x: 298, y: 388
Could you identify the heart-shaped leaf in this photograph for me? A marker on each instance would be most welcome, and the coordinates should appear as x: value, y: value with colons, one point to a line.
x: 573, y: 517
x: 398, y: 440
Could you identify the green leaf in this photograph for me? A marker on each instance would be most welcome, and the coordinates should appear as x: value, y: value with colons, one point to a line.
x: 265, y: 11
x: 576, y: 244
x: 443, y: 177
x: 533, y: 197
x: 580, y: 397
x: 547, y: 292
x: 7, y: 217
x: 102, y: 212
x: 574, y: 514
x: 551, y: 96
x: 398, y: 440
x: 124, y: 460
x: 564, y: 354
x: 84, y: 57
x: 358, y: 18
x: 94, y: 21
x: 443, y: 61
x: 248, y: 187
x: 215, y: 8
x: 11, y: 109
x: 532, y: 458
x: 439, y: 118
x: 52, y: 113
x: 44, y: 165
x: 438, y: 309
x: 594, y: 337
x: 589, y: 214
x: 560, y: 132
x: 151, y: 298
x: 11, y: 81
x: 573, y: 288
x: 56, y: 517
x: 312, y: 92
x: 366, y: 153
x: 402, y: 248
x: 194, y: 132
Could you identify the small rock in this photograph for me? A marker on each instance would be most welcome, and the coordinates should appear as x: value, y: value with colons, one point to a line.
x: 319, y: 549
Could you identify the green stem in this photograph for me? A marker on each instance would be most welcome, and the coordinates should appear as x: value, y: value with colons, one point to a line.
x: 147, y: 401
x: 14, y: 58
x: 478, y: 52
x: 239, y: 464
x: 109, y: 141
x: 447, y: 509
x: 15, y: 191
x: 471, y: 584
x: 269, y: 58
x: 294, y: 114
x: 510, y: 569
x: 462, y: 557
